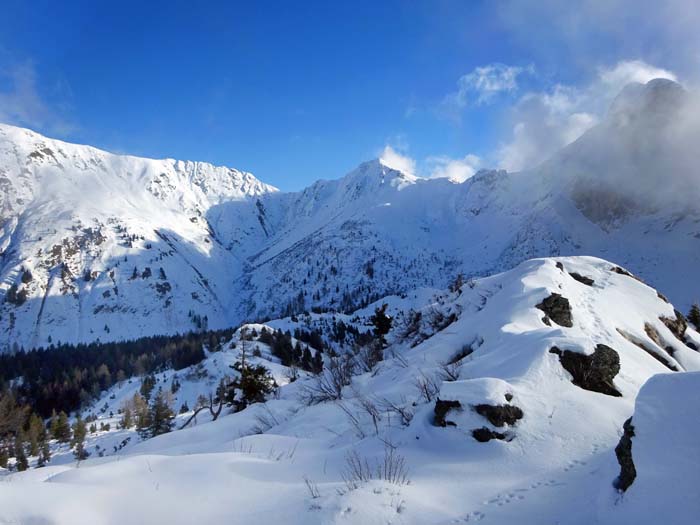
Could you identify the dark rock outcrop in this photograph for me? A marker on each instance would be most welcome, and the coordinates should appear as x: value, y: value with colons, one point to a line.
x: 656, y: 355
x: 622, y: 271
x: 593, y: 372
x: 557, y: 309
x: 582, y: 278
x: 442, y: 407
x: 499, y: 415
x: 662, y: 297
x: 483, y: 434
x: 677, y: 325
x: 623, y: 451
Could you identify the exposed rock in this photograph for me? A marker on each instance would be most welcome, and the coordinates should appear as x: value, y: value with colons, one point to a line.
x: 582, y: 278
x: 662, y: 297
x: 593, y: 372
x: 483, y: 434
x: 622, y: 271
x: 560, y: 266
x: 441, y: 410
x: 499, y: 415
x: 623, y: 451
x: 509, y: 397
x: 656, y: 355
x: 557, y: 309
x: 653, y: 334
x: 546, y: 321
x: 677, y: 325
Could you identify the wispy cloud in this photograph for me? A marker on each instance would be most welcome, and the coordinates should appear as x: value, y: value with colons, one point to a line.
x: 481, y: 86
x: 457, y: 170
x: 397, y: 161
x: 22, y: 104
x: 544, y: 122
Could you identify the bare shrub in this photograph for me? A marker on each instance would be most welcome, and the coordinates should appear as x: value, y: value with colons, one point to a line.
x: 312, y: 487
x: 428, y: 387
x: 329, y: 384
x: 449, y: 371
x: 400, y: 359
x: 402, y: 410
x: 391, y: 468
x: 265, y: 420
x: 353, y: 419
x: 368, y: 356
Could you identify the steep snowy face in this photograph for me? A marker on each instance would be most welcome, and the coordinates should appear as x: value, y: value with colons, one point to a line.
x: 96, y: 245
x: 662, y: 453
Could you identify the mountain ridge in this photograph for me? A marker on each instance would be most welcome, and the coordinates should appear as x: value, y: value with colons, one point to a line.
x: 115, y: 247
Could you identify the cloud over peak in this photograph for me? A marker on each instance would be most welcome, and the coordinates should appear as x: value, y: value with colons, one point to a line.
x: 543, y: 122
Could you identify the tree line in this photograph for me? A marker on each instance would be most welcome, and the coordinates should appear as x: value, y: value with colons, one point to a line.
x: 68, y: 377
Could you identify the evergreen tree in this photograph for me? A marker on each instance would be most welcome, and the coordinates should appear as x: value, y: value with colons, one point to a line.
x: 4, y: 456
x: 78, y: 441
x: 317, y: 364
x: 382, y: 323
x: 254, y: 383
x: 127, y: 420
x: 147, y: 385
x: 21, y: 462
x: 306, y: 359
x: 161, y: 415
x: 34, y: 431
x: 60, y: 430
x: 142, y: 415
x: 44, y: 449
x: 694, y: 316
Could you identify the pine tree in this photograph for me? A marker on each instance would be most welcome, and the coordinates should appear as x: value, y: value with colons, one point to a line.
x: 44, y: 455
x: 147, y: 385
x: 254, y: 383
x: 142, y: 416
x: 44, y: 449
x: 34, y: 431
x: 21, y: 462
x: 78, y: 441
x: 317, y: 364
x: 306, y: 359
x: 127, y: 420
x: 694, y: 315
x: 382, y: 323
x: 60, y: 430
x: 4, y: 456
x: 161, y: 415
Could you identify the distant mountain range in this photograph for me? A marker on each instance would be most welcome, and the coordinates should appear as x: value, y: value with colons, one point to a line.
x: 97, y: 246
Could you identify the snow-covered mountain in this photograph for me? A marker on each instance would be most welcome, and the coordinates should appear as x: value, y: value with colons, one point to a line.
x: 85, y: 234
x: 501, y: 401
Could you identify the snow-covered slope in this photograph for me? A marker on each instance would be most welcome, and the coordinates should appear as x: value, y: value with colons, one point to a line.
x: 101, y: 246
x: 505, y: 403
x: 233, y: 249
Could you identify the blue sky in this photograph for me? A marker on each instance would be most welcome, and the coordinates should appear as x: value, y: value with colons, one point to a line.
x: 294, y: 93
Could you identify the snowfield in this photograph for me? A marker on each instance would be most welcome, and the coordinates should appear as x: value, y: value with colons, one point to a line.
x: 549, y: 379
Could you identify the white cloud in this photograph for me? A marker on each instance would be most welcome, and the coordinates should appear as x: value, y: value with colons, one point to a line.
x: 457, y: 170
x: 614, y: 79
x: 544, y: 122
x: 396, y: 161
x: 22, y: 104
x: 481, y: 86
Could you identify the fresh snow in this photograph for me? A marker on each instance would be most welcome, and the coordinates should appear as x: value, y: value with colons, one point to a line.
x: 559, y: 466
